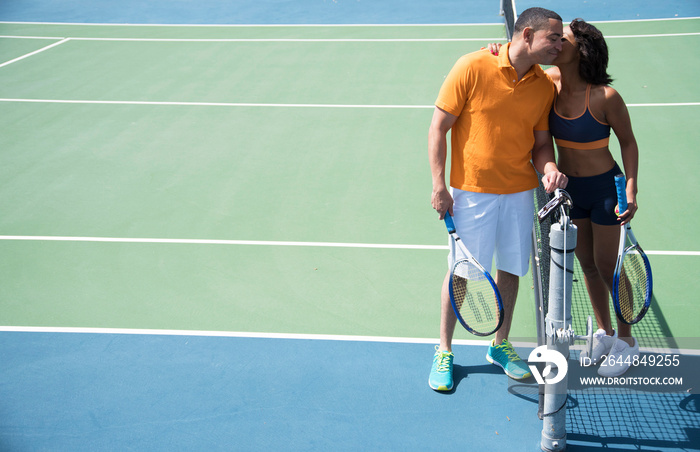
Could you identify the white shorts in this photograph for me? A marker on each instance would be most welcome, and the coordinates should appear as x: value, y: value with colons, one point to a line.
x: 502, y: 223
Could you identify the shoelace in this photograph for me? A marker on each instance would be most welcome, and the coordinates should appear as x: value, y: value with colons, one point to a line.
x: 443, y: 364
x: 598, y: 334
x: 508, y: 349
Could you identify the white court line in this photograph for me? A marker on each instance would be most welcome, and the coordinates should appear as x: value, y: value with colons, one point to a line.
x: 642, y: 20
x: 254, y: 25
x: 209, y: 104
x: 660, y: 35
x: 496, y: 39
x: 32, y: 37
x: 316, y: 40
x: 662, y: 104
x: 492, y: 39
x: 289, y: 336
x: 316, y: 25
x: 40, y: 238
x: 222, y: 242
x: 673, y: 253
x: 35, y: 52
x: 265, y: 105
x: 254, y: 335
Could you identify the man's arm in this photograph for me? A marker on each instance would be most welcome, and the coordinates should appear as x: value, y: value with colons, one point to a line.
x: 437, y: 152
x: 545, y: 163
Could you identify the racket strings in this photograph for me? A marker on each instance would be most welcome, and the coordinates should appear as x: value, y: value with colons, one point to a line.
x: 474, y: 296
x: 633, y: 286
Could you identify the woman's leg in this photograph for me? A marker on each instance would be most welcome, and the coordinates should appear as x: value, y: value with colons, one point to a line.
x: 588, y: 248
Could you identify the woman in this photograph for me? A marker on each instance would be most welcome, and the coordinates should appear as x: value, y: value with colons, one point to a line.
x: 584, y: 111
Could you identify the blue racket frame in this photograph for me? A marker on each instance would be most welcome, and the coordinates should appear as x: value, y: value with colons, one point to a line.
x: 620, y: 187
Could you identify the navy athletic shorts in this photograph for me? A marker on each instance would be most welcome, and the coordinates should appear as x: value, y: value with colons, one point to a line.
x: 594, y: 197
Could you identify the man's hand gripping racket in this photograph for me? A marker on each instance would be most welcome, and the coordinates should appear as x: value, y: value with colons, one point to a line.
x: 632, y: 281
x: 473, y: 293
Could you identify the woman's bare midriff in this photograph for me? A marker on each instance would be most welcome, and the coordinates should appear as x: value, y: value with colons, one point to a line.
x: 585, y: 162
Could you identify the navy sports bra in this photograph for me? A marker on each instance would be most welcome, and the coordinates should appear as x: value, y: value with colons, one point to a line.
x: 582, y: 132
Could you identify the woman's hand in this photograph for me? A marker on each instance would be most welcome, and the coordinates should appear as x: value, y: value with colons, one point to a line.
x: 493, y: 47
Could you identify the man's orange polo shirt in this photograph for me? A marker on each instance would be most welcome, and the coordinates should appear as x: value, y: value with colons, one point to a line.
x: 493, y: 137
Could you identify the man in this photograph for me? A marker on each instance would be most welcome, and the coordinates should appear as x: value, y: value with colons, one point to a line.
x: 497, y: 109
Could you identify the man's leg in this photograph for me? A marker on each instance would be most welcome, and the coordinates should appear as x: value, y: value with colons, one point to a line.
x: 508, y: 287
x: 512, y: 260
x: 477, y: 232
x: 441, y: 372
x: 448, y: 319
x: 501, y: 351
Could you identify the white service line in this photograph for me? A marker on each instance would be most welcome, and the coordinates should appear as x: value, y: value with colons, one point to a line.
x: 35, y: 52
x: 273, y: 105
x: 221, y: 242
x: 673, y: 253
x: 627, y: 21
x: 669, y: 104
x: 484, y: 40
x: 492, y: 39
x: 52, y: 38
x: 659, y: 35
x: 254, y: 25
x: 44, y: 238
x: 210, y: 104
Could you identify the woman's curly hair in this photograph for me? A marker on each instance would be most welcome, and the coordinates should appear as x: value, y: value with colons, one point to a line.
x: 593, y: 66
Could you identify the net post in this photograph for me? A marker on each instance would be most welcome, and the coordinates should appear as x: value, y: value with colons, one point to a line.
x: 562, y: 238
x: 509, y: 15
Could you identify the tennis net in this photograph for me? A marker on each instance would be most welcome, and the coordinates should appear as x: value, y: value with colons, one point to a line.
x: 580, y: 304
x: 653, y: 331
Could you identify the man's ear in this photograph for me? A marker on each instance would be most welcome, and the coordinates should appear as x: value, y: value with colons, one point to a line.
x: 528, y: 35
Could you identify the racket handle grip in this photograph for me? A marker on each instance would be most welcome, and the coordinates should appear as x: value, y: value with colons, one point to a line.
x: 621, y: 188
x: 449, y: 223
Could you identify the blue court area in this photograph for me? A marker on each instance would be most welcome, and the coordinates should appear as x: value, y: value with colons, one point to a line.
x: 161, y: 393
x: 86, y: 391
x: 134, y: 194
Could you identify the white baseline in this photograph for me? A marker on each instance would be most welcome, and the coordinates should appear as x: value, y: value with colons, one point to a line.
x: 288, y: 336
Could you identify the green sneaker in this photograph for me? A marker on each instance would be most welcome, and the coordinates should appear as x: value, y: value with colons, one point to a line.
x: 505, y: 356
x: 441, y: 372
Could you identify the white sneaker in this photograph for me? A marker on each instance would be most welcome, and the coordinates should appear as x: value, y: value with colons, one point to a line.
x: 620, y: 359
x: 602, y: 343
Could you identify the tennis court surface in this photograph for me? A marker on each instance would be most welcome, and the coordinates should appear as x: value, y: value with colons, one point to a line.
x: 217, y: 235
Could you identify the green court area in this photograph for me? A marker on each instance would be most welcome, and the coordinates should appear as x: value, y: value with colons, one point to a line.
x: 311, y: 142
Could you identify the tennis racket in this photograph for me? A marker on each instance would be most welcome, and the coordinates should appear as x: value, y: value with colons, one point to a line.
x: 632, y: 281
x: 473, y: 293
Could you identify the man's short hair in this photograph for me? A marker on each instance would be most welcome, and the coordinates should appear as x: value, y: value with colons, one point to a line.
x: 535, y: 18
